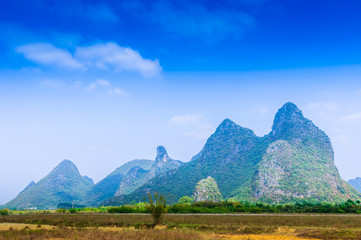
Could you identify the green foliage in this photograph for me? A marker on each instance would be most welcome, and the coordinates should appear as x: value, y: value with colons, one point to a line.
x: 69, y: 205
x: 72, y: 210
x: 186, y: 200
x: 4, y: 212
x: 157, y: 207
x: 236, y: 207
x: 60, y: 210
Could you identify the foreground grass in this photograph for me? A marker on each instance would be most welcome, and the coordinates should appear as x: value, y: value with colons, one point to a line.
x: 134, y: 226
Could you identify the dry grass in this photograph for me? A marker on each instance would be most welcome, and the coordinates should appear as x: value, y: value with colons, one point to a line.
x: 132, y: 226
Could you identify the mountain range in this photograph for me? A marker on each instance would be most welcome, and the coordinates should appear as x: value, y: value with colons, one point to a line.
x: 294, y: 162
x: 63, y: 184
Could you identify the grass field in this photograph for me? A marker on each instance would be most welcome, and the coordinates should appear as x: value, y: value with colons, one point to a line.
x: 186, y: 226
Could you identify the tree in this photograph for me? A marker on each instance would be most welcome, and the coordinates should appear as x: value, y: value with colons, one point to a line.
x: 157, y: 207
x: 4, y: 211
x: 186, y: 200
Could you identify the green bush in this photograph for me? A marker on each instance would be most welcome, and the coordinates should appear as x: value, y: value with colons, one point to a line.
x: 157, y: 207
x: 72, y: 210
x: 4, y: 212
x: 121, y: 209
x: 60, y: 210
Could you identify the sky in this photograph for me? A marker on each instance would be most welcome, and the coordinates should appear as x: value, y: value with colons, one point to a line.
x: 104, y: 82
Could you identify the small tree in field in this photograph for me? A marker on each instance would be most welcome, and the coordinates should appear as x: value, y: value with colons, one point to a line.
x: 157, y: 207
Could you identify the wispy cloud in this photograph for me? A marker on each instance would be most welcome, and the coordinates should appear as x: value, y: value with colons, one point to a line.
x: 192, y: 125
x: 92, y: 87
x: 185, y: 119
x: 351, y: 117
x: 52, y: 83
x: 111, y: 55
x: 108, y: 56
x: 116, y: 91
x: 323, y: 109
x: 47, y: 54
x: 103, y: 83
x: 197, y: 18
x: 92, y: 12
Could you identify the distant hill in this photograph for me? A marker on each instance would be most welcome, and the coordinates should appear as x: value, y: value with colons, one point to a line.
x: 107, y: 187
x: 356, y: 183
x: 294, y: 162
x: 131, y: 176
x: 137, y: 177
x: 63, y: 184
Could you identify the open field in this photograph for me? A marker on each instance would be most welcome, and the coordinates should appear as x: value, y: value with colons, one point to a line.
x: 178, y: 226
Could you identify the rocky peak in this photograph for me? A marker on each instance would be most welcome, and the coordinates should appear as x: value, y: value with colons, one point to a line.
x: 162, y: 155
x: 162, y: 163
x: 290, y: 124
x: 66, y: 167
x: 228, y: 127
x: 288, y: 115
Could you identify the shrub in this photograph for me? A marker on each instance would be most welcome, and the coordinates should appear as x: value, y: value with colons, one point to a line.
x: 4, y: 212
x: 186, y: 200
x: 60, y: 210
x: 157, y: 207
x: 72, y: 210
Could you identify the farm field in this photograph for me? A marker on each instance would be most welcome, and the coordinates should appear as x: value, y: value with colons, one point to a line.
x: 180, y: 226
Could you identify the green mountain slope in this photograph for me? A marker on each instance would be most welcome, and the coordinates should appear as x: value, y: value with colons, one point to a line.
x: 107, y: 187
x: 137, y: 177
x: 63, y: 184
x: 230, y: 156
x: 356, y: 183
x: 294, y: 162
x: 299, y: 163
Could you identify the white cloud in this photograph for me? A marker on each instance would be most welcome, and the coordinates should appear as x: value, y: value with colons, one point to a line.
x: 103, y: 83
x: 201, y: 131
x: 102, y: 56
x: 111, y: 55
x: 185, y: 119
x: 192, y: 125
x: 92, y: 87
x: 52, y: 83
x: 352, y: 117
x: 317, y: 106
x: 47, y: 54
x: 116, y: 91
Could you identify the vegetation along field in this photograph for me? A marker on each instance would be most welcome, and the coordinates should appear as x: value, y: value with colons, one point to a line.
x: 179, y: 226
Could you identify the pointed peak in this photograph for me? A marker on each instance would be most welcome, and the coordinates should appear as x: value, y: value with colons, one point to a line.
x: 290, y: 108
x: 227, y: 123
x: 65, y: 166
x: 161, y: 150
x: 66, y: 162
x: 290, y: 124
x: 289, y: 113
x: 162, y: 155
x: 228, y: 126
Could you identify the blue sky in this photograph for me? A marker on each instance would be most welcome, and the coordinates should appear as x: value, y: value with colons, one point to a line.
x: 105, y: 82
